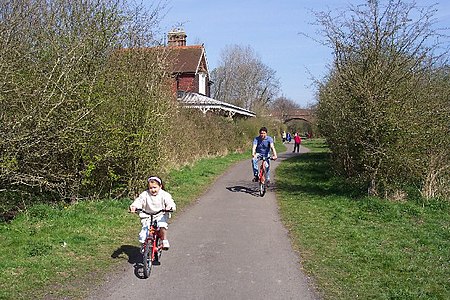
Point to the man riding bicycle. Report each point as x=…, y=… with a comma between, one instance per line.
x=262, y=146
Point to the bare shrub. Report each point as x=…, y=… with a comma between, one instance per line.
x=379, y=102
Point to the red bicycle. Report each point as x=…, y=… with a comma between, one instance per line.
x=262, y=173
x=152, y=246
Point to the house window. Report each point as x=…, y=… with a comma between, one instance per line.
x=180, y=94
x=202, y=83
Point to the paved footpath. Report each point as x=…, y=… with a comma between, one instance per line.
x=229, y=245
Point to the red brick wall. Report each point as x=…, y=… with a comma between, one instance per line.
x=188, y=83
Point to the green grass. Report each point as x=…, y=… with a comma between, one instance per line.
x=59, y=251
x=360, y=247
x=51, y=246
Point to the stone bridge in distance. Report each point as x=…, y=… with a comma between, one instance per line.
x=304, y=114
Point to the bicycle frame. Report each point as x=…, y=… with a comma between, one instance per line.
x=262, y=169
x=152, y=246
x=152, y=237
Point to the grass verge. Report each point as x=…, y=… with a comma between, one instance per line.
x=61, y=251
x=361, y=247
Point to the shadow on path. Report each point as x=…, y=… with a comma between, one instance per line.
x=134, y=258
x=243, y=189
x=254, y=191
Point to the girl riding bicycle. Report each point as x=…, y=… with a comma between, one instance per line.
x=152, y=200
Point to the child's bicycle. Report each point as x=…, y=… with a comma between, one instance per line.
x=262, y=172
x=152, y=247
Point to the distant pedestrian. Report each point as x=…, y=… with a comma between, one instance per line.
x=297, y=142
x=283, y=136
x=288, y=137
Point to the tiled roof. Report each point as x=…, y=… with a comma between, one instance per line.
x=186, y=59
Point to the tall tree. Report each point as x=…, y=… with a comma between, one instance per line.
x=243, y=79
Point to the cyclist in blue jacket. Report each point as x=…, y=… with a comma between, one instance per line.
x=263, y=145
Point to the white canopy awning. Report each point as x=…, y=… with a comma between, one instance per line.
x=205, y=104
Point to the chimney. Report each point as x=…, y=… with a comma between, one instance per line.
x=177, y=37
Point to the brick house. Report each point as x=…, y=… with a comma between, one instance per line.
x=192, y=85
x=190, y=67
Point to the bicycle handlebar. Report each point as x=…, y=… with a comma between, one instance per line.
x=154, y=213
x=265, y=158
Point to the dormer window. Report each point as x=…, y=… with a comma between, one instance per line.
x=202, y=83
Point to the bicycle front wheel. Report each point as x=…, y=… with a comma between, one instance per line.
x=262, y=183
x=262, y=189
x=147, y=259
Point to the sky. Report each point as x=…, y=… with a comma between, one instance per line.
x=272, y=29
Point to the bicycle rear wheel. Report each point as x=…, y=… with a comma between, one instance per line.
x=147, y=259
x=159, y=251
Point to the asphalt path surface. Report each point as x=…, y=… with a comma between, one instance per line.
x=231, y=244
